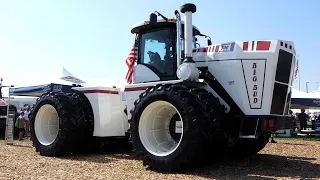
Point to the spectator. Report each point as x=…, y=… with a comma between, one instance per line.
x=303, y=117
x=291, y=122
x=20, y=124
x=26, y=116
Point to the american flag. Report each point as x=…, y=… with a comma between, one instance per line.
x=296, y=70
x=132, y=57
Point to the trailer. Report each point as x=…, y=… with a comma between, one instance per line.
x=184, y=104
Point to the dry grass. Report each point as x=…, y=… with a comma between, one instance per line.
x=288, y=159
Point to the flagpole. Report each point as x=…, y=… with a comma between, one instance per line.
x=297, y=64
x=299, y=81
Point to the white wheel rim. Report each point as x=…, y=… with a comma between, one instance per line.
x=154, y=128
x=46, y=124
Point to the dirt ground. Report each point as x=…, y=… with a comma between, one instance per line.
x=287, y=159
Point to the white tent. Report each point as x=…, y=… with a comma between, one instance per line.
x=67, y=76
x=300, y=99
x=300, y=94
x=61, y=77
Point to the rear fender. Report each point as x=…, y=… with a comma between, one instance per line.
x=209, y=89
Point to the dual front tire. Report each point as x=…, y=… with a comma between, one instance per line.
x=59, y=125
x=156, y=136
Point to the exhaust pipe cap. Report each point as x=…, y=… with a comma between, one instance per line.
x=188, y=7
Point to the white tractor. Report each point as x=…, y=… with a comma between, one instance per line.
x=184, y=105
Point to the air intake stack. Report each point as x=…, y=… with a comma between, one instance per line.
x=188, y=70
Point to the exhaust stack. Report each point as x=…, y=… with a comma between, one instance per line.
x=187, y=70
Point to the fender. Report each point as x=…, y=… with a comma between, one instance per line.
x=209, y=89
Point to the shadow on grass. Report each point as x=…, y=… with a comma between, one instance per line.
x=24, y=146
x=261, y=166
x=95, y=158
x=104, y=155
x=298, y=144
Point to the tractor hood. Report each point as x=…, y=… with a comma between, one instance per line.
x=257, y=74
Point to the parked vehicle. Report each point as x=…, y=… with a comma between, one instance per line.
x=185, y=104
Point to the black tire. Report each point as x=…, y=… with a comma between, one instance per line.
x=215, y=133
x=89, y=144
x=72, y=125
x=195, y=119
x=245, y=148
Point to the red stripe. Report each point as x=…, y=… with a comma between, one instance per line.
x=245, y=46
x=263, y=45
x=100, y=91
x=212, y=49
x=136, y=88
x=271, y=123
x=217, y=48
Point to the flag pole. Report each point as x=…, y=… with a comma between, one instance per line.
x=298, y=72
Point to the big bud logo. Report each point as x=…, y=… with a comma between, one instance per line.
x=255, y=85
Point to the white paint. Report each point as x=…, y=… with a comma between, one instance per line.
x=153, y=131
x=132, y=96
x=188, y=35
x=46, y=124
x=188, y=71
x=109, y=117
x=178, y=128
x=254, y=76
x=143, y=74
x=226, y=67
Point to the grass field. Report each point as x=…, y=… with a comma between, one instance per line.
x=290, y=158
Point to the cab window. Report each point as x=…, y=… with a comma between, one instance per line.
x=157, y=51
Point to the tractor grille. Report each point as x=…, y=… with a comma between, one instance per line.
x=279, y=98
x=288, y=103
x=284, y=66
x=280, y=102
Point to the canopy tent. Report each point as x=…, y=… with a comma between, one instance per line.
x=67, y=76
x=41, y=89
x=3, y=103
x=305, y=100
x=63, y=82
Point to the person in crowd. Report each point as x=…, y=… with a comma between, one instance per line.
x=291, y=121
x=21, y=125
x=303, y=117
x=272, y=138
x=26, y=116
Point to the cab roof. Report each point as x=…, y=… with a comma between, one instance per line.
x=145, y=26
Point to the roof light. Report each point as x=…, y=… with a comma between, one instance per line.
x=172, y=20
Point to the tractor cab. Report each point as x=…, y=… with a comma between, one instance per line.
x=157, y=56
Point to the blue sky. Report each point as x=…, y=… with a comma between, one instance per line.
x=92, y=38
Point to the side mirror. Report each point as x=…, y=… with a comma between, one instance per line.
x=209, y=42
x=153, y=18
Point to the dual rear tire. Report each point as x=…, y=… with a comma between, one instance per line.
x=60, y=124
x=171, y=127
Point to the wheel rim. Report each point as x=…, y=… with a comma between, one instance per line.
x=154, y=128
x=46, y=124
